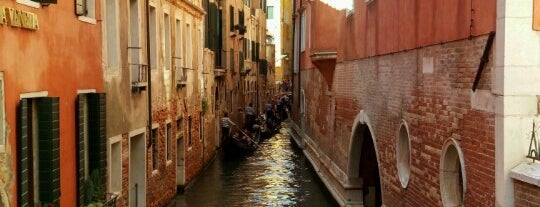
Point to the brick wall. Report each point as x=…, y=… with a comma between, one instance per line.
x=526, y=195
x=436, y=106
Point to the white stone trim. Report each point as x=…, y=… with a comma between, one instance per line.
x=447, y=144
x=3, y=121
x=527, y=172
x=137, y=132
x=403, y=180
x=29, y=3
x=114, y=140
x=363, y=119
x=83, y=91
x=88, y=20
x=34, y=94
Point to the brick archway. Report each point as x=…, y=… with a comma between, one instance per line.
x=363, y=171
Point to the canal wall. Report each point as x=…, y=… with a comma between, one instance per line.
x=425, y=92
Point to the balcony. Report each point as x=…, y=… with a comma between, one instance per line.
x=139, y=77
x=181, y=76
x=220, y=64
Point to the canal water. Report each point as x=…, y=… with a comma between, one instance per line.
x=277, y=174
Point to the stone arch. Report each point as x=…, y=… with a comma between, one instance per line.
x=363, y=160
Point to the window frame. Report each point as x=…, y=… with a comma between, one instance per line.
x=90, y=14
x=404, y=172
x=3, y=138
x=154, y=140
x=113, y=141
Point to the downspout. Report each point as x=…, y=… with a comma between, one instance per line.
x=299, y=53
x=149, y=70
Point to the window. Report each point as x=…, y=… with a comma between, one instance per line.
x=303, y=32
x=113, y=47
x=452, y=175
x=38, y=151
x=2, y=115
x=169, y=142
x=231, y=18
x=134, y=32
x=91, y=141
x=86, y=10
x=153, y=38
x=189, y=131
x=167, y=41
x=269, y=12
x=115, y=170
x=154, y=142
x=178, y=44
x=403, y=155
x=189, y=47
x=201, y=125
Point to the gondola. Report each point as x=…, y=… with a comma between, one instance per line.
x=241, y=143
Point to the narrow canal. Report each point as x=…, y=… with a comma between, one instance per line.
x=277, y=174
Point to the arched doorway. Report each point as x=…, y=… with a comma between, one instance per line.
x=363, y=170
x=369, y=172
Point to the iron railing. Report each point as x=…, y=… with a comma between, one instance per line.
x=139, y=74
x=533, y=153
x=181, y=75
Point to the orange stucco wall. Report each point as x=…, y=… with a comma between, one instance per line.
x=61, y=57
x=387, y=26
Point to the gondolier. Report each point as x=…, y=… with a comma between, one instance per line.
x=225, y=126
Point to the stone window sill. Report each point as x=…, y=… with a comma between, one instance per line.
x=29, y=3
x=88, y=20
x=527, y=172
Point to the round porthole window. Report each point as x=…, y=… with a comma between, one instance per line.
x=403, y=155
x=452, y=175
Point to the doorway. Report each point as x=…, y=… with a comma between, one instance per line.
x=137, y=171
x=180, y=162
x=363, y=166
x=369, y=172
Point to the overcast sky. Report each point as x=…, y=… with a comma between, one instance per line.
x=340, y=4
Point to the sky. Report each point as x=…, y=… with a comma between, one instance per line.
x=340, y=4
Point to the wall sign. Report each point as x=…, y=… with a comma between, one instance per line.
x=18, y=18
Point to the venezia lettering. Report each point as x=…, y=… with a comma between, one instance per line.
x=17, y=18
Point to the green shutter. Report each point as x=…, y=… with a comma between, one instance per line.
x=46, y=1
x=49, y=149
x=232, y=60
x=241, y=63
x=79, y=146
x=22, y=153
x=97, y=153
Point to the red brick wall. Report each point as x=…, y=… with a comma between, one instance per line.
x=526, y=195
x=436, y=106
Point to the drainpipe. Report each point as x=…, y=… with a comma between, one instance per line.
x=149, y=70
x=299, y=53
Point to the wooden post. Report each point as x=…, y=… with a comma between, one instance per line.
x=536, y=15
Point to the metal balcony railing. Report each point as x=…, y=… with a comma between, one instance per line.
x=181, y=76
x=139, y=75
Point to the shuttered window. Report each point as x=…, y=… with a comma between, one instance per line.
x=232, y=60
x=91, y=140
x=38, y=151
x=231, y=18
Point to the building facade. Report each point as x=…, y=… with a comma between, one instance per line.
x=418, y=103
x=52, y=105
x=237, y=38
x=287, y=41
x=155, y=74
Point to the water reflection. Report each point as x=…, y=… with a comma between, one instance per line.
x=276, y=175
